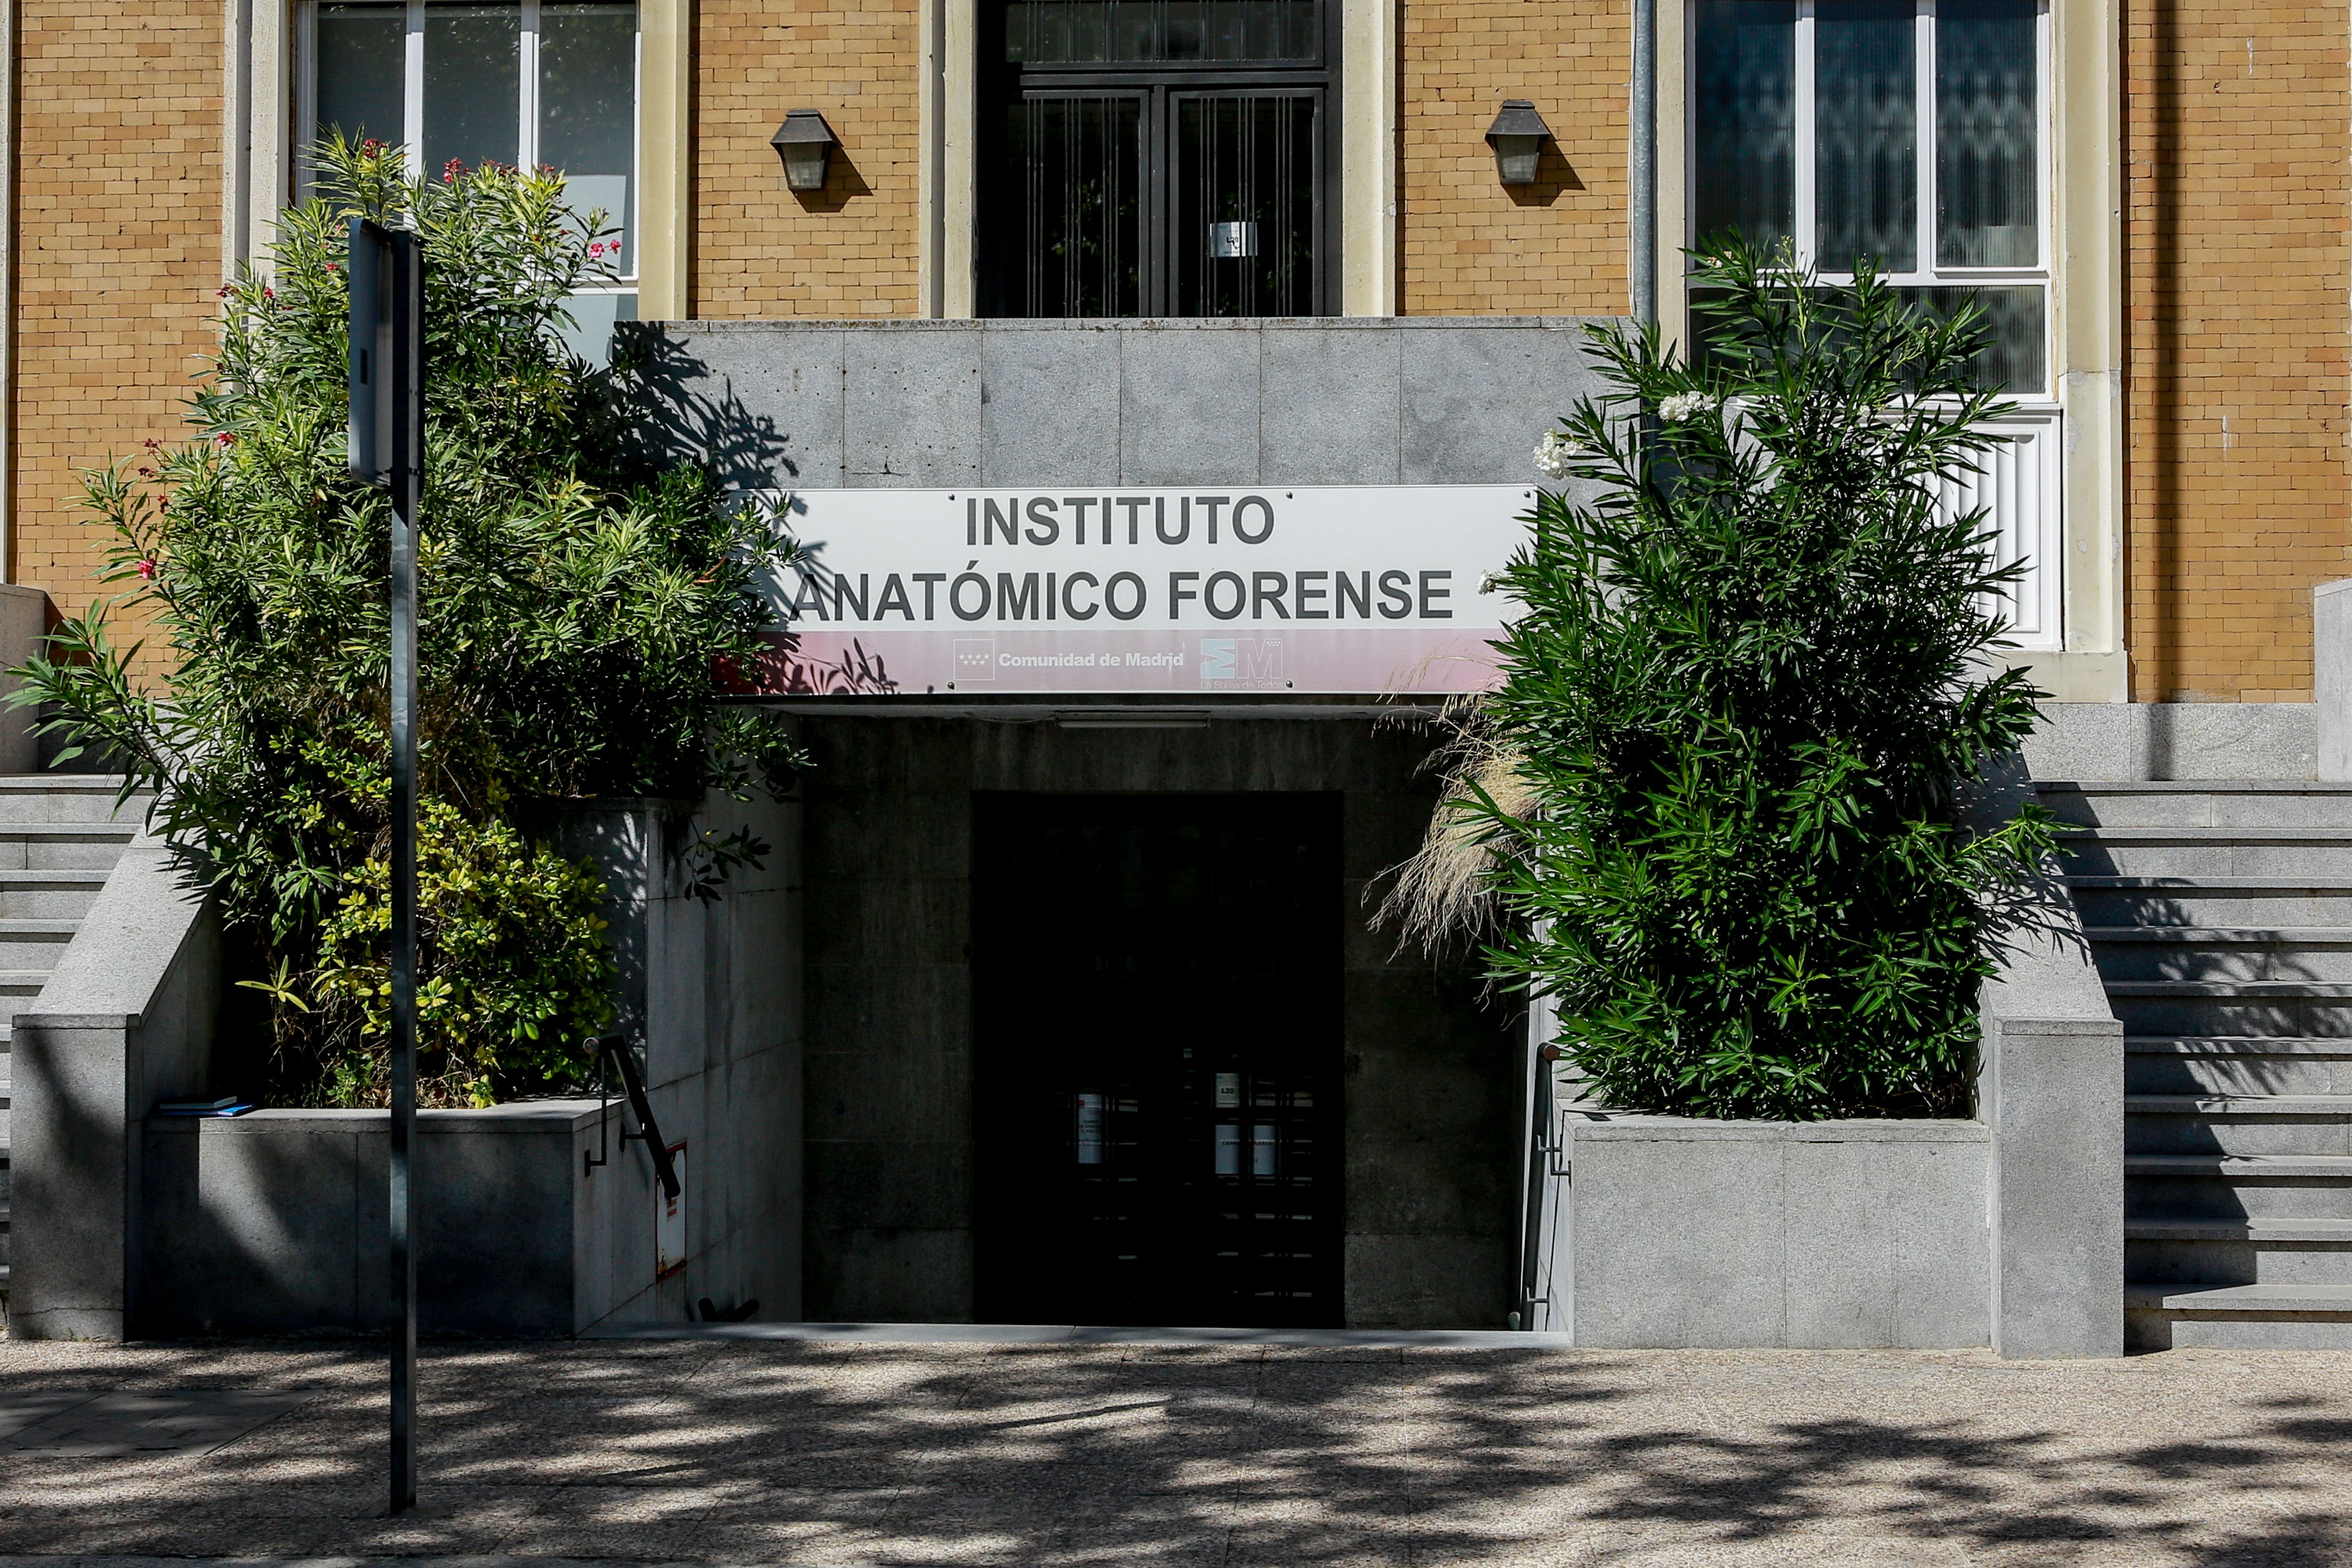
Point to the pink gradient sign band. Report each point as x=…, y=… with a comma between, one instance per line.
x=1193, y=590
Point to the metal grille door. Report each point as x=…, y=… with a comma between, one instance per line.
x=1157, y=158
x=1156, y=1101
x=1084, y=184
x=1247, y=204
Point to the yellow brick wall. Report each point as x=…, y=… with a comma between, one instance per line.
x=1466, y=244
x=760, y=250
x=2236, y=144
x=119, y=255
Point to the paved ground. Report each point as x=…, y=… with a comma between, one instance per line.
x=828, y=1454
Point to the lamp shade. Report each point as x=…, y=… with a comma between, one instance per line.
x=805, y=142
x=1517, y=137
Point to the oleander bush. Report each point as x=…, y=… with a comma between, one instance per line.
x=1715, y=808
x=579, y=603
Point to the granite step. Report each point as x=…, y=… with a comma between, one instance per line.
x=2197, y=853
x=2172, y=1227
x=2238, y=1124
x=2210, y=1185
x=2236, y=1066
x=25, y=944
x=2205, y=803
x=62, y=846
x=70, y=797
x=2246, y=1008
x=56, y=894
x=2251, y=1168
x=2213, y=901
x=2153, y=952
x=2238, y=1317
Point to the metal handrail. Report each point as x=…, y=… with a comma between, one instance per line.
x=616, y=1048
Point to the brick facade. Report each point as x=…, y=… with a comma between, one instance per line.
x=119, y=255
x=2239, y=255
x=848, y=251
x=2238, y=237
x=1467, y=245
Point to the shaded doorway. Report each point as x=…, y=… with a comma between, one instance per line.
x=1157, y=1032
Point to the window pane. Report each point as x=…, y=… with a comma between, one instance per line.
x=2014, y=359
x=473, y=84
x=1743, y=107
x=588, y=109
x=1987, y=152
x=1865, y=130
x=1073, y=32
x=593, y=316
x=360, y=60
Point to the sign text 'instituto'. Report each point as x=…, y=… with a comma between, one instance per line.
x=1331, y=588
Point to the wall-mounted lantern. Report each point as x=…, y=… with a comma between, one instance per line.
x=1517, y=137
x=805, y=142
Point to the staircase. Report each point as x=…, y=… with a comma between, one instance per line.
x=60, y=837
x=2219, y=915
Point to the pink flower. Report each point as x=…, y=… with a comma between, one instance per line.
x=371, y=145
x=267, y=292
x=332, y=267
x=223, y=292
x=226, y=438
x=146, y=473
x=147, y=572
x=452, y=169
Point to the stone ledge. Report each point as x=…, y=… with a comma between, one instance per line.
x=1610, y=1128
x=533, y=1116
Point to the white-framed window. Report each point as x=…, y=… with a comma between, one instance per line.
x=529, y=82
x=1913, y=131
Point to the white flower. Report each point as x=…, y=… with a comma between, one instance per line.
x=1491, y=581
x=1555, y=452
x=1687, y=405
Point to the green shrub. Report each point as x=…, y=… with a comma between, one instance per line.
x=576, y=604
x=517, y=967
x=1736, y=717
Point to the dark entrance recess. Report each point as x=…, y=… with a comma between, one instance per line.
x=1157, y=157
x=1155, y=985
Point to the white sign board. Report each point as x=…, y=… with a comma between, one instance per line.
x=1198, y=590
x=669, y=1219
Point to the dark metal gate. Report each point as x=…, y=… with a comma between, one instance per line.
x=1156, y=1095
x=1157, y=157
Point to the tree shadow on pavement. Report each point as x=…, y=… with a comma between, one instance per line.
x=825, y=1454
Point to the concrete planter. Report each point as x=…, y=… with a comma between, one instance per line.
x=1814, y=1236
x=2004, y=1230
x=274, y=1223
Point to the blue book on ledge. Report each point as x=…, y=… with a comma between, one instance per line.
x=226, y=1105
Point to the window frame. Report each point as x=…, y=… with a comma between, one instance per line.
x=412, y=99
x=1925, y=273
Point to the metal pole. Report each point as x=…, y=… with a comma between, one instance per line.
x=1641, y=168
x=386, y=270
x=407, y=485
